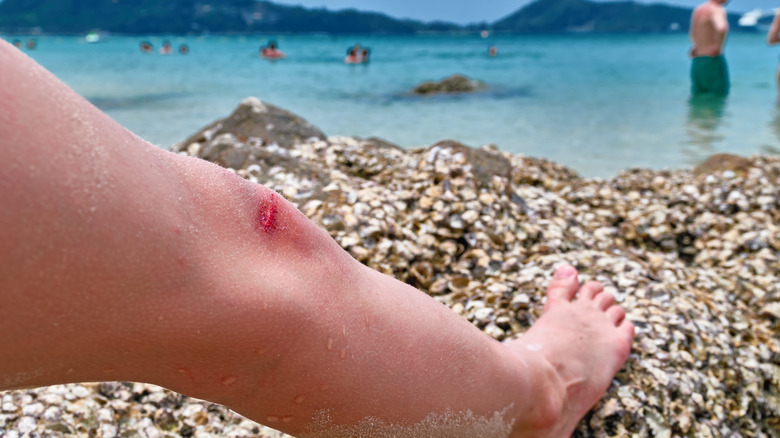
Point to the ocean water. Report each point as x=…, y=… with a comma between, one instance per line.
x=597, y=103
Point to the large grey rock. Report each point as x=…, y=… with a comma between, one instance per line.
x=253, y=121
x=723, y=162
x=261, y=134
x=227, y=151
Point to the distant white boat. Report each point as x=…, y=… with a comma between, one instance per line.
x=750, y=18
x=94, y=37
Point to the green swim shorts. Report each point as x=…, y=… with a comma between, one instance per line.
x=709, y=74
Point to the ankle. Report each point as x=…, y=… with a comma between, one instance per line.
x=542, y=414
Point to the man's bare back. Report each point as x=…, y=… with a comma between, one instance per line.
x=709, y=26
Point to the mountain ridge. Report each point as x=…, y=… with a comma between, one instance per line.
x=138, y=17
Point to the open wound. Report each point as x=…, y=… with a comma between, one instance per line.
x=267, y=213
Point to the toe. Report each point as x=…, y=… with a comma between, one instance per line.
x=627, y=329
x=604, y=300
x=564, y=284
x=589, y=290
x=616, y=314
x=624, y=341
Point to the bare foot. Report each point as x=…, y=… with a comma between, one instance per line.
x=585, y=338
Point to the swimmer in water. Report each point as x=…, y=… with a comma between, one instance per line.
x=356, y=55
x=271, y=51
x=138, y=264
x=166, y=48
x=352, y=57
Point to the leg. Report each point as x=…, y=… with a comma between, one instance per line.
x=120, y=261
x=777, y=78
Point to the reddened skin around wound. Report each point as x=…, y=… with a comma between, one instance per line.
x=267, y=213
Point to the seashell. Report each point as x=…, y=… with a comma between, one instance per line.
x=333, y=222
x=359, y=253
x=458, y=282
x=471, y=239
x=771, y=310
x=194, y=149
x=439, y=286
x=449, y=247
x=456, y=222
x=483, y=315
x=493, y=267
x=494, y=331
x=520, y=301
x=469, y=217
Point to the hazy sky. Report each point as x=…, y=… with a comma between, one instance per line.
x=471, y=11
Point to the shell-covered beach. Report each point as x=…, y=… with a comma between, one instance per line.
x=692, y=255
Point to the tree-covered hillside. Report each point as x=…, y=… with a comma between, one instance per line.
x=588, y=16
x=251, y=16
x=194, y=16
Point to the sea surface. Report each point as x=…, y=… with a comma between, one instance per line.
x=597, y=103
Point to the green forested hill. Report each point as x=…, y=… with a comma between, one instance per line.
x=194, y=16
x=588, y=16
x=251, y=16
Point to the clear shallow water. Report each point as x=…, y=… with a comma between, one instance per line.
x=597, y=103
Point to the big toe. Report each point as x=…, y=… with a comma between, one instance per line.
x=564, y=284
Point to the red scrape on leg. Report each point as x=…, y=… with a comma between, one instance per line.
x=267, y=212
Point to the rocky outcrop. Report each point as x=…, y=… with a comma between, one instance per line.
x=259, y=122
x=252, y=133
x=723, y=163
x=454, y=84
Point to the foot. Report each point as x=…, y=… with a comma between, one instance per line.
x=585, y=339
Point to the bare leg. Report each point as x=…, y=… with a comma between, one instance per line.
x=120, y=261
x=777, y=78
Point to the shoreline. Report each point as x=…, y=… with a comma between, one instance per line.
x=692, y=256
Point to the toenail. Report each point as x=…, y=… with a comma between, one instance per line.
x=565, y=271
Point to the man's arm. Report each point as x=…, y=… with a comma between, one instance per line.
x=720, y=21
x=773, y=37
x=721, y=25
x=692, y=35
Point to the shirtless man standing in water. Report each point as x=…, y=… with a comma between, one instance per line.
x=709, y=26
x=120, y=261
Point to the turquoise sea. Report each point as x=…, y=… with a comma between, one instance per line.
x=598, y=103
